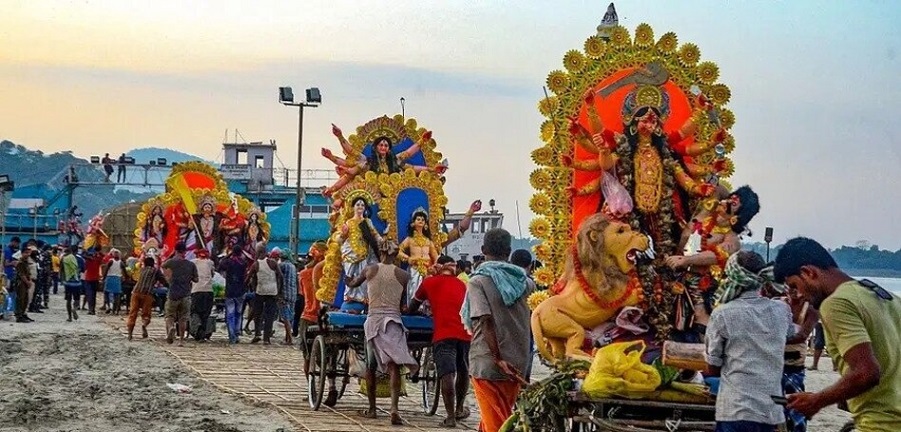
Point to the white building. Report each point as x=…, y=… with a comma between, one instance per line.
x=471, y=243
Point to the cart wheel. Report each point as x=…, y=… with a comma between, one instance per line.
x=316, y=374
x=431, y=385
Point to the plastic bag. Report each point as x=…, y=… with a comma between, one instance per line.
x=617, y=370
x=616, y=197
x=356, y=363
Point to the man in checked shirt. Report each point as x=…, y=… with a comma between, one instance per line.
x=746, y=339
x=142, y=296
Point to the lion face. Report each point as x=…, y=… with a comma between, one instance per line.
x=622, y=245
x=604, y=244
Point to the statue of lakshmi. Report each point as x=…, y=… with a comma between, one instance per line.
x=418, y=250
x=382, y=160
x=359, y=248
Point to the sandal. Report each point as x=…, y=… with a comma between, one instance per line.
x=367, y=413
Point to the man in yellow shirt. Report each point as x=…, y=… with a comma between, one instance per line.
x=55, y=259
x=862, y=322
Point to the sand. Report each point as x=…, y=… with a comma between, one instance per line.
x=83, y=376
x=831, y=418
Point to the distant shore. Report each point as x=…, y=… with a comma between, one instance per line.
x=886, y=273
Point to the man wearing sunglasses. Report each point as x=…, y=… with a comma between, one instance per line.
x=862, y=322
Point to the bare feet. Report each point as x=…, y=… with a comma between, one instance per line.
x=462, y=413
x=332, y=398
x=368, y=413
x=396, y=419
x=448, y=423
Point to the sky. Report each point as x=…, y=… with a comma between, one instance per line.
x=814, y=88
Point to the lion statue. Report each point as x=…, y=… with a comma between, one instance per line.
x=606, y=252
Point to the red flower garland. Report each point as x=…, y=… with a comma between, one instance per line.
x=634, y=284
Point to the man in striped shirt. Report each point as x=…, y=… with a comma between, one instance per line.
x=142, y=296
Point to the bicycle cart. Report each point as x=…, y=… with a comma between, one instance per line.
x=327, y=347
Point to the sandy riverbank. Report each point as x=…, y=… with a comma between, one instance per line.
x=831, y=418
x=83, y=376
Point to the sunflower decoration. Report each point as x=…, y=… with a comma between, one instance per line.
x=644, y=35
x=720, y=94
x=548, y=129
x=619, y=37
x=544, y=277
x=708, y=72
x=540, y=204
x=543, y=252
x=548, y=105
x=540, y=179
x=668, y=43
x=540, y=227
x=536, y=298
x=574, y=61
x=558, y=81
x=689, y=54
x=729, y=143
x=595, y=47
x=543, y=156
x=727, y=119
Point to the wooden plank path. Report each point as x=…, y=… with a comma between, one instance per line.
x=273, y=375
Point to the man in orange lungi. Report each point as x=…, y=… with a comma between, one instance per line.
x=496, y=313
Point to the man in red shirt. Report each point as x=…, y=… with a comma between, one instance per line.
x=450, y=341
x=93, y=261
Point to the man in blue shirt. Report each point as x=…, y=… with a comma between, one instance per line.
x=9, y=268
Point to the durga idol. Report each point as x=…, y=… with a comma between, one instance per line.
x=650, y=163
x=383, y=160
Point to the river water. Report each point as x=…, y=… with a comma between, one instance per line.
x=891, y=284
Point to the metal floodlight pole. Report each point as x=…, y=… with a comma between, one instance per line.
x=296, y=246
x=313, y=99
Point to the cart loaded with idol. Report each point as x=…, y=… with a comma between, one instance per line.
x=636, y=221
x=390, y=192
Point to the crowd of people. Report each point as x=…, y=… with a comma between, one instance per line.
x=481, y=338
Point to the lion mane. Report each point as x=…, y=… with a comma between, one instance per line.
x=598, y=269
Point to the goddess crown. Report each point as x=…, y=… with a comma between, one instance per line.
x=419, y=209
x=645, y=96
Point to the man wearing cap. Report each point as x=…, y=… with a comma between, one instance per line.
x=33, y=269
x=181, y=274
x=202, y=296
